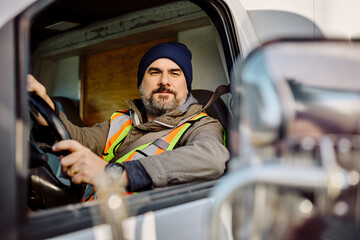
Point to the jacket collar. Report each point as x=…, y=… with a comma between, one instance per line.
x=189, y=101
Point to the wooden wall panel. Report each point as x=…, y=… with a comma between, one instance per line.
x=109, y=79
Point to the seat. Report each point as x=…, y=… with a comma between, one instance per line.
x=68, y=106
x=217, y=110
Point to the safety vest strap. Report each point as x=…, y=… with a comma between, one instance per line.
x=160, y=145
x=120, y=125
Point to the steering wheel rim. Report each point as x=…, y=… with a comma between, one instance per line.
x=50, y=116
x=46, y=190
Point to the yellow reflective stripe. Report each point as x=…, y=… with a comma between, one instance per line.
x=184, y=127
x=172, y=138
x=126, y=156
x=112, y=138
x=199, y=116
x=120, y=112
x=110, y=152
x=113, y=142
x=177, y=137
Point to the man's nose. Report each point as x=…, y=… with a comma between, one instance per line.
x=164, y=79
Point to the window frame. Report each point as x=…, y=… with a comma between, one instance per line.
x=62, y=220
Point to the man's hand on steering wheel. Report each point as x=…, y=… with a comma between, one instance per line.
x=34, y=86
x=81, y=165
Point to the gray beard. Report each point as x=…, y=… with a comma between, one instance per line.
x=159, y=108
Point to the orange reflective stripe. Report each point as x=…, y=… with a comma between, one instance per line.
x=115, y=116
x=173, y=133
x=160, y=150
x=198, y=116
x=169, y=138
x=91, y=198
x=130, y=157
x=116, y=135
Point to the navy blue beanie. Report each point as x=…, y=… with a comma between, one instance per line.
x=174, y=51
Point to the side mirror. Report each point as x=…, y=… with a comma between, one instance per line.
x=298, y=124
x=296, y=90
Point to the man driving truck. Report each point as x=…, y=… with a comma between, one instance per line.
x=136, y=142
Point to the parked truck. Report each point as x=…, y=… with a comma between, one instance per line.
x=291, y=117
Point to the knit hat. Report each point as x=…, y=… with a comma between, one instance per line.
x=174, y=51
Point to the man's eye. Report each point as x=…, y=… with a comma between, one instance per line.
x=176, y=73
x=154, y=72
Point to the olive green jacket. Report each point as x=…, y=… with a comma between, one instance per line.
x=200, y=155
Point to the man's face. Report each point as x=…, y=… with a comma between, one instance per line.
x=163, y=88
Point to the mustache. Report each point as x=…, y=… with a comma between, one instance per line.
x=163, y=88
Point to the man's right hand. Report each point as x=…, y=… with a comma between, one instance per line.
x=35, y=86
x=82, y=165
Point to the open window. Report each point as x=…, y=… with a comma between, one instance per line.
x=86, y=54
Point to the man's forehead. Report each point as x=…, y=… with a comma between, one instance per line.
x=164, y=63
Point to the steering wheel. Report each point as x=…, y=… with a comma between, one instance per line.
x=45, y=189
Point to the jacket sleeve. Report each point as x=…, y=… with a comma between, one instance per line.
x=92, y=137
x=202, y=157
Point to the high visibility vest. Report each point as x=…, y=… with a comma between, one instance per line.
x=120, y=125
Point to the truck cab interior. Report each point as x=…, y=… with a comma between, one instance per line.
x=86, y=55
